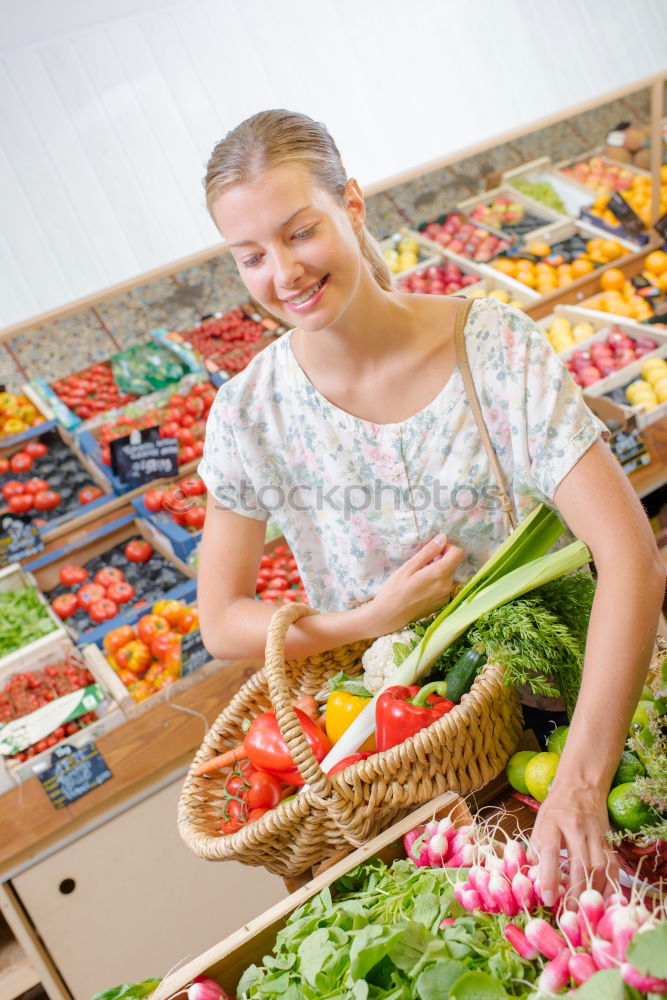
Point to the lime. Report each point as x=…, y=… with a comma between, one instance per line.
x=629, y=768
x=641, y=716
x=516, y=769
x=556, y=741
x=540, y=773
x=626, y=809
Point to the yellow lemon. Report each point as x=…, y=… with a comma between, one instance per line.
x=539, y=774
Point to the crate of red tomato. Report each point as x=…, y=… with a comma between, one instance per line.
x=278, y=579
x=92, y=583
x=175, y=512
x=81, y=706
x=229, y=342
x=179, y=413
x=48, y=480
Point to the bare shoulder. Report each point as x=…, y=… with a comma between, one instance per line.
x=435, y=316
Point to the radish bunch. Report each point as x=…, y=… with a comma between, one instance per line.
x=591, y=933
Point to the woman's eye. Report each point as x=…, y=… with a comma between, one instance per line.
x=305, y=233
x=250, y=262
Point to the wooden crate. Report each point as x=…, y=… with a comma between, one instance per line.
x=572, y=193
x=227, y=961
x=15, y=578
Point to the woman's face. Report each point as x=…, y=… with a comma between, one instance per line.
x=295, y=245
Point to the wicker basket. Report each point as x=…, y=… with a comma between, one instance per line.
x=461, y=752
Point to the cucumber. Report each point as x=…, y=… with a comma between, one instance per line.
x=460, y=677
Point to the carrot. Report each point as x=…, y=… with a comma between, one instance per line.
x=226, y=759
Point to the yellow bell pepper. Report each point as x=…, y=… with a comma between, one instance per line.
x=342, y=709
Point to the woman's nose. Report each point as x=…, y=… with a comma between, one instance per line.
x=287, y=269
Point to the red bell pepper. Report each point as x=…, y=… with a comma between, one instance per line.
x=353, y=758
x=401, y=712
x=267, y=750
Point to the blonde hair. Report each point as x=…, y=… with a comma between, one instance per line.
x=273, y=138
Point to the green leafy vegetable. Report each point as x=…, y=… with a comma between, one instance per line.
x=129, y=991
x=606, y=985
x=23, y=619
x=648, y=952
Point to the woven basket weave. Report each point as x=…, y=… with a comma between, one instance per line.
x=461, y=752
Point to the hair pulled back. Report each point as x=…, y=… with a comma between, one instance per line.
x=277, y=137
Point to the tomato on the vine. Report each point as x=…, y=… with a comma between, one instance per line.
x=103, y=610
x=65, y=605
x=256, y=814
x=120, y=591
x=108, y=575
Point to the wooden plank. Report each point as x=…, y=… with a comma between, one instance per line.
x=24, y=933
x=17, y=974
x=657, y=145
x=138, y=752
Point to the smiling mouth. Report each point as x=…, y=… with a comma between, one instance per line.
x=308, y=294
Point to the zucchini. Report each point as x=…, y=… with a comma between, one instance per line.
x=461, y=676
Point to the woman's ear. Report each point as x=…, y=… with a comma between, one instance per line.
x=355, y=206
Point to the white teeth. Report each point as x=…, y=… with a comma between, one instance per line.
x=307, y=295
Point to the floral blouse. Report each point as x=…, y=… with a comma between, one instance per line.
x=355, y=499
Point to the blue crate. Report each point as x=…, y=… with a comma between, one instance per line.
x=185, y=591
x=182, y=541
x=65, y=417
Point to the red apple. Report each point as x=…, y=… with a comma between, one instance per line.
x=588, y=376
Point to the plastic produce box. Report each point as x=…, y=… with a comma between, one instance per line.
x=607, y=397
x=162, y=576
x=15, y=578
x=405, y=246
x=66, y=471
x=574, y=195
x=531, y=216
x=227, y=961
x=58, y=649
x=151, y=410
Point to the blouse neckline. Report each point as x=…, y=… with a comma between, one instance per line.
x=435, y=404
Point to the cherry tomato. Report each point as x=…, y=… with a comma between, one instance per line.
x=89, y=594
x=12, y=488
x=194, y=486
x=186, y=454
x=236, y=809
x=71, y=575
x=20, y=504
x=65, y=605
x=138, y=551
x=108, y=575
x=232, y=825
x=163, y=642
x=36, y=449
x=47, y=499
x=90, y=493
x=153, y=499
x=170, y=429
x=278, y=582
x=149, y=626
x=256, y=814
x=21, y=462
x=184, y=435
x=35, y=486
x=198, y=448
x=176, y=400
x=4, y=466
x=195, y=517
x=265, y=791
x=194, y=405
x=120, y=592
x=103, y=610
x=198, y=429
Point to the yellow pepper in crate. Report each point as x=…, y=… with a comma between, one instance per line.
x=342, y=710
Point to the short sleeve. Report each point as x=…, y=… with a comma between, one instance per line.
x=222, y=466
x=550, y=422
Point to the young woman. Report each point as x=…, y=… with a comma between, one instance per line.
x=353, y=432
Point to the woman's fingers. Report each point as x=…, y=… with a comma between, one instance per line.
x=427, y=553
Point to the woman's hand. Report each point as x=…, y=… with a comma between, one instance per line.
x=576, y=819
x=418, y=588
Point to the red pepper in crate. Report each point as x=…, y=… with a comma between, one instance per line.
x=401, y=712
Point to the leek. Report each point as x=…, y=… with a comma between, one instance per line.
x=517, y=567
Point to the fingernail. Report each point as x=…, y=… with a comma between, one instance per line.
x=440, y=539
x=548, y=897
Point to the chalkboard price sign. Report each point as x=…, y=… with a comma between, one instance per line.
x=143, y=456
x=625, y=214
x=19, y=538
x=193, y=653
x=73, y=772
x=661, y=226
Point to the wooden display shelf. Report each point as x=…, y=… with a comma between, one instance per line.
x=17, y=974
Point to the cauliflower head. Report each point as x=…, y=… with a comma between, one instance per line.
x=378, y=660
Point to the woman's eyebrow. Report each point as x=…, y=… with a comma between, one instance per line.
x=245, y=243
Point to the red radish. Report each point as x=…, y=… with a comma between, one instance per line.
x=522, y=890
x=500, y=889
x=462, y=836
x=514, y=858
x=545, y=938
x=482, y=884
x=556, y=975
x=569, y=925
x=462, y=858
x=446, y=922
x=519, y=942
x=410, y=839
x=603, y=953
x=648, y=984
x=591, y=910
x=446, y=827
x=204, y=988
x=606, y=923
x=623, y=928
x=468, y=897
x=581, y=967
x=493, y=863
x=438, y=849
x=431, y=828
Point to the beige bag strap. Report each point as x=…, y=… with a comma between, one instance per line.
x=507, y=506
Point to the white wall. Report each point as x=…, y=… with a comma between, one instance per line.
x=109, y=108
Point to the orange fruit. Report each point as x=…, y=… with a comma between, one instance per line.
x=580, y=267
x=506, y=266
x=656, y=262
x=612, y=280
x=540, y=249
